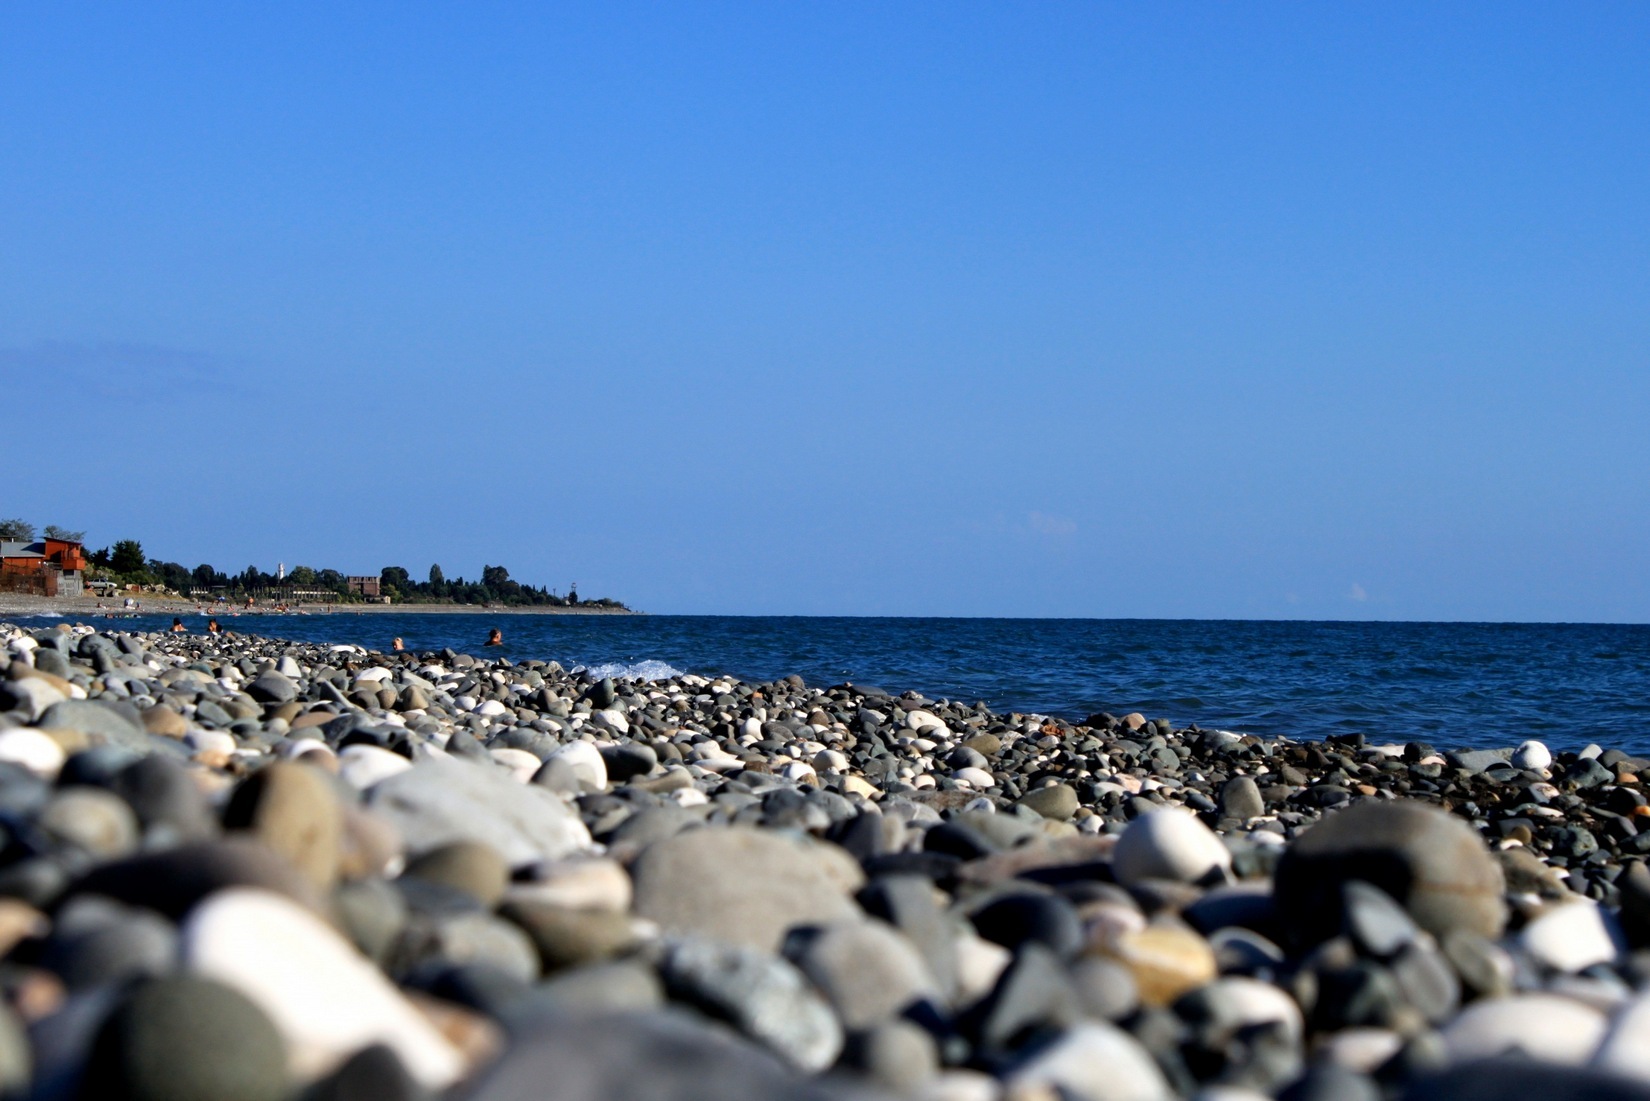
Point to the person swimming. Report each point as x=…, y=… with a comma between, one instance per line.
x=397, y=645
x=177, y=626
x=495, y=637
x=212, y=627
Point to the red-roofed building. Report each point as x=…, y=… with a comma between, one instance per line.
x=51, y=567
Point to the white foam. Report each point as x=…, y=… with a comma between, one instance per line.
x=649, y=670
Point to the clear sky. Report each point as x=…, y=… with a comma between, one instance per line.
x=1206, y=310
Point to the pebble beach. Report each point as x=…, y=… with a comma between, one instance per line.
x=246, y=868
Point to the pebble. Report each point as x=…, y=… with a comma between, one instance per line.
x=1168, y=844
x=439, y=801
x=742, y=885
x=366, y=766
x=326, y=999
x=1532, y=755
x=474, y=868
x=482, y=858
x=1166, y=961
x=1538, y=1026
x=1092, y=1061
x=867, y=970
x=184, y=1038
x=765, y=997
x=1571, y=937
x=97, y=822
x=290, y=807
x=31, y=749
x=1431, y=863
x=588, y=764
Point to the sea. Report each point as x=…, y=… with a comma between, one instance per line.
x=1473, y=685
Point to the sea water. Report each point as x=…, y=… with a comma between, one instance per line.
x=1451, y=684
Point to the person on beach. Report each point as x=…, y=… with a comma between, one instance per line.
x=495, y=637
x=177, y=626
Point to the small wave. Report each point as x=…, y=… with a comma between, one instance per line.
x=638, y=670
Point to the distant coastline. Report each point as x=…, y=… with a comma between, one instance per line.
x=19, y=604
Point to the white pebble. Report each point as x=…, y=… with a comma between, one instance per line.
x=1572, y=936
x=1532, y=755
x=327, y=1001
x=1093, y=1062
x=587, y=763
x=210, y=741
x=33, y=750
x=362, y=766
x=1539, y=1026
x=1168, y=844
x=522, y=764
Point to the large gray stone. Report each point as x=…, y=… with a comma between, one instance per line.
x=439, y=801
x=115, y=723
x=272, y=687
x=1433, y=864
x=767, y=998
x=657, y=1056
x=743, y=886
x=186, y=1039
x=868, y=970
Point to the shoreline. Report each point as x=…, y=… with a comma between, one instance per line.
x=877, y=896
x=15, y=604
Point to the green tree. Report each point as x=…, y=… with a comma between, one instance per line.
x=205, y=576
x=332, y=579
x=173, y=575
x=303, y=576
x=127, y=557
x=20, y=530
x=54, y=532
x=437, y=578
x=397, y=578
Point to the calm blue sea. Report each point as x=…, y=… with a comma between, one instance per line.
x=1453, y=684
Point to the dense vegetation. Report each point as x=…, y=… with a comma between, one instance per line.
x=125, y=563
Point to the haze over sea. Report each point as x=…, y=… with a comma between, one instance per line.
x=1451, y=684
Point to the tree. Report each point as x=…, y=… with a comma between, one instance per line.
x=205, y=576
x=303, y=576
x=20, y=530
x=99, y=558
x=173, y=575
x=54, y=532
x=494, y=577
x=332, y=579
x=395, y=577
x=127, y=557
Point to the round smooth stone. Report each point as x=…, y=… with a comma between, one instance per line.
x=1572, y=937
x=1538, y=1026
x=1532, y=755
x=1168, y=844
x=32, y=749
x=365, y=766
x=324, y=997
x=186, y=1039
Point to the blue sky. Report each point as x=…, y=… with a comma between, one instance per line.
x=1268, y=310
